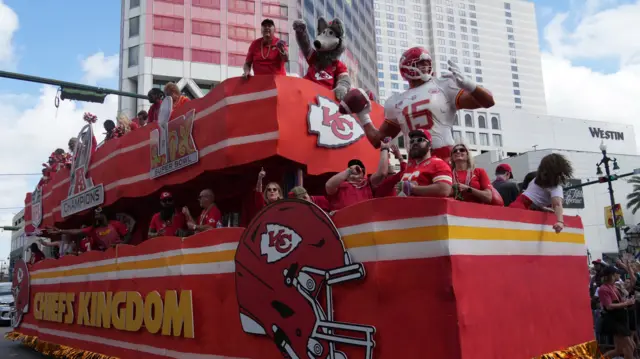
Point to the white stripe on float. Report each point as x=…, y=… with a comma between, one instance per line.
x=386, y=252
x=168, y=271
x=143, y=257
x=123, y=345
x=447, y=219
x=458, y=247
x=226, y=101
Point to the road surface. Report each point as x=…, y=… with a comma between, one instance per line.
x=10, y=349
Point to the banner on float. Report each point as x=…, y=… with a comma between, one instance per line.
x=172, y=143
x=83, y=194
x=36, y=207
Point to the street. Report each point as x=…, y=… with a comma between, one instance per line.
x=10, y=349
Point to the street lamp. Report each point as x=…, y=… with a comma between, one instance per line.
x=609, y=178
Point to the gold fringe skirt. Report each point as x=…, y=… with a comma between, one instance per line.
x=588, y=350
x=54, y=350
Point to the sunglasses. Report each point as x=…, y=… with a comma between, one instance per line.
x=272, y=189
x=417, y=140
x=459, y=150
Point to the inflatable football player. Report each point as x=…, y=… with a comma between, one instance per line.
x=430, y=103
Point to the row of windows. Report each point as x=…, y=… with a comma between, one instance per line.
x=482, y=121
x=470, y=138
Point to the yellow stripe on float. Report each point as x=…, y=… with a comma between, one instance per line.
x=441, y=233
x=196, y=258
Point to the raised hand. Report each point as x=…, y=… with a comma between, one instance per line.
x=299, y=26
x=262, y=173
x=462, y=81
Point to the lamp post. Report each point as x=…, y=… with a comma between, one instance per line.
x=605, y=161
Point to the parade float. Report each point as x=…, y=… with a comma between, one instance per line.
x=387, y=278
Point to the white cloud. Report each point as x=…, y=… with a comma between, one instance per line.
x=8, y=27
x=32, y=128
x=581, y=92
x=98, y=67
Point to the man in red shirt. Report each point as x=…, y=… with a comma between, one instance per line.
x=348, y=187
x=426, y=175
x=268, y=54
x=210, y=217
x=103, y=234
x=169, y=221
x=155, y=97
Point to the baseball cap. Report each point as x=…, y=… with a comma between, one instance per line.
x=357, y=162
x=297, y=191
x=504, y=167
x=267, y=22
x=420, y=133
x=165, y=195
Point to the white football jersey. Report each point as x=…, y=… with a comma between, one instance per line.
x=430, y=106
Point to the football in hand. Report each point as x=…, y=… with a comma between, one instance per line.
x=355, y=101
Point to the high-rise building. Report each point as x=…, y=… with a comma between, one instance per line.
x=495, y=42
x=199, y=43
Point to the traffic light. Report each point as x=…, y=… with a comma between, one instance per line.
x=70, y=93
x=604, y=179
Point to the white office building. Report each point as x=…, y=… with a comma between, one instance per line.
x=493, y=41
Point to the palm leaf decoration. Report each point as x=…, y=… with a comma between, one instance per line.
x=634, y=196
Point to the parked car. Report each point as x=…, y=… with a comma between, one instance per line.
x=6, y=303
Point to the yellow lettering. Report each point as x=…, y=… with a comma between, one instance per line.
x=62, y=298
x=83, y=308
x=94, y=308
x=178, y=315
x=135, y=313
x=37, y=305
x=117, y=313
x=103, y=315
x=153, y=312
x=53, y=306
x=46, y=310
x=68, y=318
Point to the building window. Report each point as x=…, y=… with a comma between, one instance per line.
x=134, y=54
x=514, y=60
x=509, y=22
x=473, y=23
x=507, y=6
x=471, y=137
x=452, y=43
x=507, y=14
x=478, y=63
x=205, y=56
x=468, y=120
x=281, y=11
x=518, y=100
x=478, y=71
x=457, y=136
x=381, y=84
x=478, y=78
x=514, y=68
x=509, y=29
x=394, y=77
x=467, y=69
x=484, y=139
x=242, y=6
x=169, y=52
x=495, y=123
x=514, y=76
x=390, y=17
x=240, y=33
x=516, y=84
x=453, y=51
x=380, y=66
x=497, y=140
x=516, y=92
x=452, y=27
x=456, y=120
x=511, y=38
x=205, y=28
x=463, y=21
x=134, y=4
x=134, y=26
x=482, y=121
x=443, y=66
x=440, y=25
x=462, y=28
x=167, y=23
x=395, y=86
x=380, y=75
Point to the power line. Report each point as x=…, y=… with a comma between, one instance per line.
x=20, y=174
x=10, y=208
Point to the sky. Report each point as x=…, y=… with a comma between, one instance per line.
x=590, y=59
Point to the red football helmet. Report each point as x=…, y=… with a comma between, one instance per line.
x=287, y=259
x=411, y=67
x=20, y=289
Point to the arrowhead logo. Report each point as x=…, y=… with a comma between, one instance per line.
x=278, y=242
x=334, y=130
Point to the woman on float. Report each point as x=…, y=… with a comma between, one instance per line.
x=614, y=319
x=66, y=245
x=272, y=192
x=36, y=254
x=172, y=90
x=546, y=189
x=125, y=124
x=470, y=184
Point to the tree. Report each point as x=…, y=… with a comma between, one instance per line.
x=634, y=196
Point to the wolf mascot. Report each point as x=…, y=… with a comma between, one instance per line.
x=324, y=66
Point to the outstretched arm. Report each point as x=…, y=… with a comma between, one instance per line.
x=375, y=135
x=480, y=98
x=302, y=37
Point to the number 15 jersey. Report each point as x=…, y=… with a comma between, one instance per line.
x=431, y=106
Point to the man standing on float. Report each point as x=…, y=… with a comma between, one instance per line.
x=430, y=103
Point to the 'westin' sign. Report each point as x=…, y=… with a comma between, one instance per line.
x=606, y=135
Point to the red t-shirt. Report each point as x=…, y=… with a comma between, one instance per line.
x=168, y=228
x=429, y=171
x=326, y=77
x=322, y=202
x=387, y=188
x=153, y=112
x=608, y=294
x=85, y=245
x=102, y=238
x=271, y=64
x=479, y=180
x=134, y=126
x=348, y=195
x=210, y=217
x=35, y=258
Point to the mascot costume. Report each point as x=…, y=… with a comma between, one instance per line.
x=324, y=66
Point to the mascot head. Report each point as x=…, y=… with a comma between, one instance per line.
x=330, y=36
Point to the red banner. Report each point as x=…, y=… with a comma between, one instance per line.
x=440, y=278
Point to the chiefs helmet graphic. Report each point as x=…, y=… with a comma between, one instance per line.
x=287, y=261
x=20, y=291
